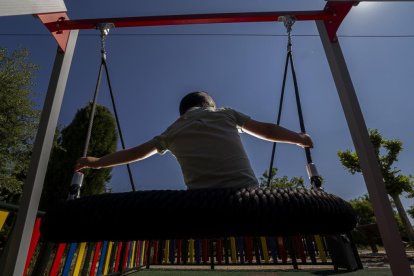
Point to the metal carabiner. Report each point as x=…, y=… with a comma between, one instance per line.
x=104, y=28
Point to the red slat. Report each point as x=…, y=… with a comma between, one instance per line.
x=33, y=243
x=301, y=249
x=249, y=249
x=118, y=256
x=281, y=249
x=57, y=260
x=126, y=253
x=95, y=258
x=219, y=252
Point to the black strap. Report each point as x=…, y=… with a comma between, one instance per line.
x=289, y=60
x=279, y=115
x=92, y=115
x=121, y=137
x=299, y=106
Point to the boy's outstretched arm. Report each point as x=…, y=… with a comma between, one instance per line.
x=275, y=133
x=117, y=158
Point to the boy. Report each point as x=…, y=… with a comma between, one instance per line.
x=206, y=142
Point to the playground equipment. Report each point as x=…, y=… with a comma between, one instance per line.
x=111, y=256
x=328, y=21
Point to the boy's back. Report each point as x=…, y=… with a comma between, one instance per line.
x=207, y=145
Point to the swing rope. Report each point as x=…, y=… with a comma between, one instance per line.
x=104, y=32
x=315, y=179
x=74, y=191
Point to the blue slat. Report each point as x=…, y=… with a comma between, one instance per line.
x=240, y=246
x=172, y=251
x=69, y=258
x=197, y=245
x=273, y=248
x=102, y=258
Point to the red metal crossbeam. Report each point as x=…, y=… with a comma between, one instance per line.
x=189, y=19
x=332, y=15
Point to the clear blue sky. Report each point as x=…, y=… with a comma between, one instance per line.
x=240, y=65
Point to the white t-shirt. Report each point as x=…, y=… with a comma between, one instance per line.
x=207, y=145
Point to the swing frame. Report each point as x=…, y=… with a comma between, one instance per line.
x=65, y=32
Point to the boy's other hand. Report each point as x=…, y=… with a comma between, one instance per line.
x=306, y=141
x=86, y=162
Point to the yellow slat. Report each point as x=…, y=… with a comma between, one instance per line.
x=3, y=217
x=191, y=250
x=233, y=250
x=264, y=249
x=167, y=251
x=131, y=262
x=108, y=257
x=321, y=250
x=142, y=253
x=79, y=259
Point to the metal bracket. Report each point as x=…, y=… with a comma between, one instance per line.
x=75, y=186
x=288, y=21
x=314, y=176
x=104, y=28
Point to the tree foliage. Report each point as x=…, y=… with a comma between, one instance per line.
x=396, y=184
x=411, y=212
x=68, y=148
x=363, y=209
x=18, y=121
x=366, y=218
x=387, y=152
x=281, y=182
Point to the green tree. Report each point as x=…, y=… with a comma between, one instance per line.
x=396, y=184
x=18, y=121
x=281, y=182
x=411, y=211
x=366, y=231
x=68, y=147
x=366, y=222
x=364, y=210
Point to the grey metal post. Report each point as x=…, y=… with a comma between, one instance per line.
x=366, y=154
x=20, y=238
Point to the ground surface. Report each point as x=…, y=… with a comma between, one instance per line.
x=374, y=264
x=380, y=260
x=276, y=272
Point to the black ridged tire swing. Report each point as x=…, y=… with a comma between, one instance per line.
x=204, y=213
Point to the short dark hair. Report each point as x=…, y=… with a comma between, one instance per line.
x=197, y=98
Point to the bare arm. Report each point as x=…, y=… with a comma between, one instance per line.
x=117, y=158
x=275, y=133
